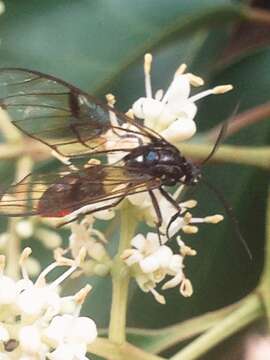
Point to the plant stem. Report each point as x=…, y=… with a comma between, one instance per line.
x=120, y=278
x=105, y=348
x=264, y=287
x=249, y=310
x=245, y=155
x=162, y=339
x=240, y=121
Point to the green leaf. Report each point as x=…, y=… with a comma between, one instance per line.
x=91, y=42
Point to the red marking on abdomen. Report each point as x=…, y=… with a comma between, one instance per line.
x=43, y=212
x=60, y=213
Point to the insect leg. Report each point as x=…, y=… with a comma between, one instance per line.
x=158, y=213
x=171, y=200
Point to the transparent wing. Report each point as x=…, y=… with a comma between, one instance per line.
x=61, y=193
x=70, y=121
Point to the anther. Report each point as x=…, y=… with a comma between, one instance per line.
x=214, y=219
x=81, y=295
x=147, y=63
x=188, y=229
x=195, y=80
x=181, y=70
x=24, y=255
x=221, y=89
x=186, y=288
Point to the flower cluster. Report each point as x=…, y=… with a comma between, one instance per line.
x=36, y=322
x=151, y=260
x=172, y=114
x=83, y=234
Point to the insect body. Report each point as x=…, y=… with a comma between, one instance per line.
x=76, y=125
x=165, y=162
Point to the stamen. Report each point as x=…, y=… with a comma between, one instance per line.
x=159, y=298
x=222, y=89
x=214, y=219
x=45, y=272
x=81, y=295
x=24, y=256
x=147, y=74
x=187, y=251
x=195, y=80
x=181, y=70
x=190, y=204
x=64, y=276
x=215, y=91
x=60, y=259
x=188, y=229
x=178, y=192
x=186, y=288
x=187, y=217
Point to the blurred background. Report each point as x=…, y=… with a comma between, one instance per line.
x=99, y=45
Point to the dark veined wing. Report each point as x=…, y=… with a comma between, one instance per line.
x=70, y=121
x=60, y=194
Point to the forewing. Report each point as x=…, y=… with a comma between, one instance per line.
x=60, y=194
x=70, y=121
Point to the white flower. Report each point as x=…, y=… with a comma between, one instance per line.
x=69, y=352
x=71, y=335
x=152, y=262
x=172, y=114
x=85, y=235
x=36, y=309
x=71, y=329
x=30, y=339
x=36, y=300
x=8, y=290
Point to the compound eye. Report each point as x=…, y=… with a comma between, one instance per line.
x=152, y=156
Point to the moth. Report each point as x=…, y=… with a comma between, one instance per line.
x=76, y=125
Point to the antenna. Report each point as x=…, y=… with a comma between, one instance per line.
x=230, y=214
x=221, y=134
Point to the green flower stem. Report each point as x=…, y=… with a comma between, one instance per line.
x=159, y=340
x=120, y=278
x=245, y=155
x=248, y=311
x=105, y=348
